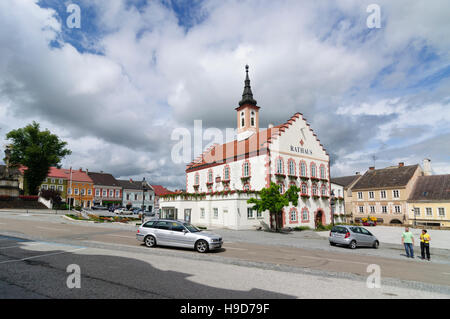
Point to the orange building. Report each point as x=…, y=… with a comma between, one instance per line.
x=80, y=188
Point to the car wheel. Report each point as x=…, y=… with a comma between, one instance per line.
x=352, y=244
x=150, y=241
x=201, y=246
x=376, y=244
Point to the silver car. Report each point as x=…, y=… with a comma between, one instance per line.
x=166, y=232
x=352, y=236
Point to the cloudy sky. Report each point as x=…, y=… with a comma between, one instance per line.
x=117, y=87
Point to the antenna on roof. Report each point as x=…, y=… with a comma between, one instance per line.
x=374, y=158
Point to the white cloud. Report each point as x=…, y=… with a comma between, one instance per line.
x=117, y=110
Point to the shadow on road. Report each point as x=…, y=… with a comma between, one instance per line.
x=34, y=273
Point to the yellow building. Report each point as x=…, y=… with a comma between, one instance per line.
x=429, y=203
x=383, y=193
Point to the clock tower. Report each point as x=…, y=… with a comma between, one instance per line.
x=247, y=112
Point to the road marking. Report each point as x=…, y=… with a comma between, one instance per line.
x=45, y=255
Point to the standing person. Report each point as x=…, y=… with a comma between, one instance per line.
x=425, y=244
x=408, y=242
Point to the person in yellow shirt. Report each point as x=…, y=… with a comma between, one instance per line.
x=425, y=244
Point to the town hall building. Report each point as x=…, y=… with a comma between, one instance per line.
x=221, y=180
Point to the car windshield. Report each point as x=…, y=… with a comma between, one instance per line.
x=191, y=228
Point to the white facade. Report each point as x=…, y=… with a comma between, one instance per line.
x=339, y=207
x=290, y=146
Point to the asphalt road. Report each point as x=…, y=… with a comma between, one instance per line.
x=35, y=252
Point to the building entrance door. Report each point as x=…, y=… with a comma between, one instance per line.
x=187, y=215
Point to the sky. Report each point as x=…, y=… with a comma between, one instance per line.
x=117, y=87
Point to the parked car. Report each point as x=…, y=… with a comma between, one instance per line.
x=121, y=211
x=176, y=233
x=352, y=236
x=98, y=207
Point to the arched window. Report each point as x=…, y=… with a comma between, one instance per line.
x=303, y=169
x=279, y=165
x=281, y=187
x=242, y=119
x=314, y=189
x=291, y=166
x=304, y=189
x=293, y=214
x=313, y=170
x=305, y=215
x=252, y=119
x=322, y=172
x=324, y=190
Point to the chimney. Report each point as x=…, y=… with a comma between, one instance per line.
x=427, y=167
x=401, y=164
x=372, y=168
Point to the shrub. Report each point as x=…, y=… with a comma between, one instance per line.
x=300, y=228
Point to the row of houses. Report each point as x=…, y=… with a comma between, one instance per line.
x=400, y=194
x=86, y=189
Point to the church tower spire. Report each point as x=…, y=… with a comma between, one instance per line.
x=247, y=96
x=247, y=112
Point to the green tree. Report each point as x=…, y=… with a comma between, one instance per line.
x=38, y=151
x=272, y=200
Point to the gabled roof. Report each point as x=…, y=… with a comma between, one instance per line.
x=103, y=179
x=344, y=181
x=160, y=190
x=130, y=184
x=433, y=187
x=393, y=176
x=77, y=175
x=228, y=152
x=256, y=144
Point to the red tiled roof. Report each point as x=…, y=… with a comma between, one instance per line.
x=253, y=145
x=77, y=175
x=160, y=190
